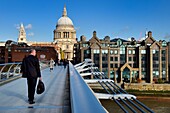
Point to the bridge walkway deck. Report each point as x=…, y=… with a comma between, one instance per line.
x=55, y=99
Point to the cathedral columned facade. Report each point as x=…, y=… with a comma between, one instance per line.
x=65, y=36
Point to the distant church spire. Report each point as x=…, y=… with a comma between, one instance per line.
x=22, y=34
x=22, y=25
x=64, y=12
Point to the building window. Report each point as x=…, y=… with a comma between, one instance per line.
x=134, y=58
x=122, y=59
x=129, y=52
x=96, y=51
x=122, y=50
x=96, y=60
x=66, y=34
x=116, y=58
x=58, y=34
x=143, y=74
x=104, y=65
x=104, y=51
x=111, y=58
x=155, y=58
x=103, y=45
x=115, y=52
x=130, y=58
x=119, y=42
x=134, y=65
x=111, y=65
x=164, y=44
x=163, y=58
x=143, y=58
x=111, y=51
x=153, y=51
x=143, y=51
x=163, y=66
x=104, y=58
x=111, y=45
x=86, y=52
x=163, y=53
x=85, y=45
x=156, y=74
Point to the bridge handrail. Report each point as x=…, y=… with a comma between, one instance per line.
x=13, y=69
x=9, y=63
x=82, y=97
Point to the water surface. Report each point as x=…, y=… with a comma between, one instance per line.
x=157, y=104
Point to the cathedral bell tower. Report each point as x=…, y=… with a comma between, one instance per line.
x=22, y=35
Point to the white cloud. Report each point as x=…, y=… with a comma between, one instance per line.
x=77, y=28
x=31, y=34
x=29, y=26
x=17, y=26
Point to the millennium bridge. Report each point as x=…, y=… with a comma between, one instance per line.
x=67, y=90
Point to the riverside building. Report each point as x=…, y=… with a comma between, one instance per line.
x=123, y=60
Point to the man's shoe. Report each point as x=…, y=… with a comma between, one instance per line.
x=31, y=102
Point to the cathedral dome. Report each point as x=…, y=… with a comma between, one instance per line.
x=65, y=21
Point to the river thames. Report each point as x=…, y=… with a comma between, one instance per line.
x=157, y=104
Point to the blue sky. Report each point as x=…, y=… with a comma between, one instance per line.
x=114, y=18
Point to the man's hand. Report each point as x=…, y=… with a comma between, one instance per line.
x=40, y=78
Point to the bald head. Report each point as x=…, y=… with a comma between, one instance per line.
x=33, y=52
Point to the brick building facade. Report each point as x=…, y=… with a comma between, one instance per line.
x=15, y=52
x=145, y=60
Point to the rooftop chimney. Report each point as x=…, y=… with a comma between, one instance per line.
x=149, y=34
x=94, y=33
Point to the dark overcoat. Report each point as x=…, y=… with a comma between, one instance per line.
x=30, y=67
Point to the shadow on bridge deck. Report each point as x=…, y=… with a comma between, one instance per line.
x=55, y=99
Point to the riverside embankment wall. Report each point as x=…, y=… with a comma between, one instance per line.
x=147, y=86
x=138, y=86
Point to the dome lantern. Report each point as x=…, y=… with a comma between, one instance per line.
x=64, y=20
x=64, y=12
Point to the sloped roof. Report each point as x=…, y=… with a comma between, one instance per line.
x=116, y=39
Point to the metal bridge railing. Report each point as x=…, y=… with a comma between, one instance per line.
x=82, y=97
x=8, y=70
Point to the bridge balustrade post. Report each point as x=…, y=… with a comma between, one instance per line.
x=8, y=72
x=2, y=70
x=17, y=67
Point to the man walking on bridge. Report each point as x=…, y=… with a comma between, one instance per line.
x=30, y=69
